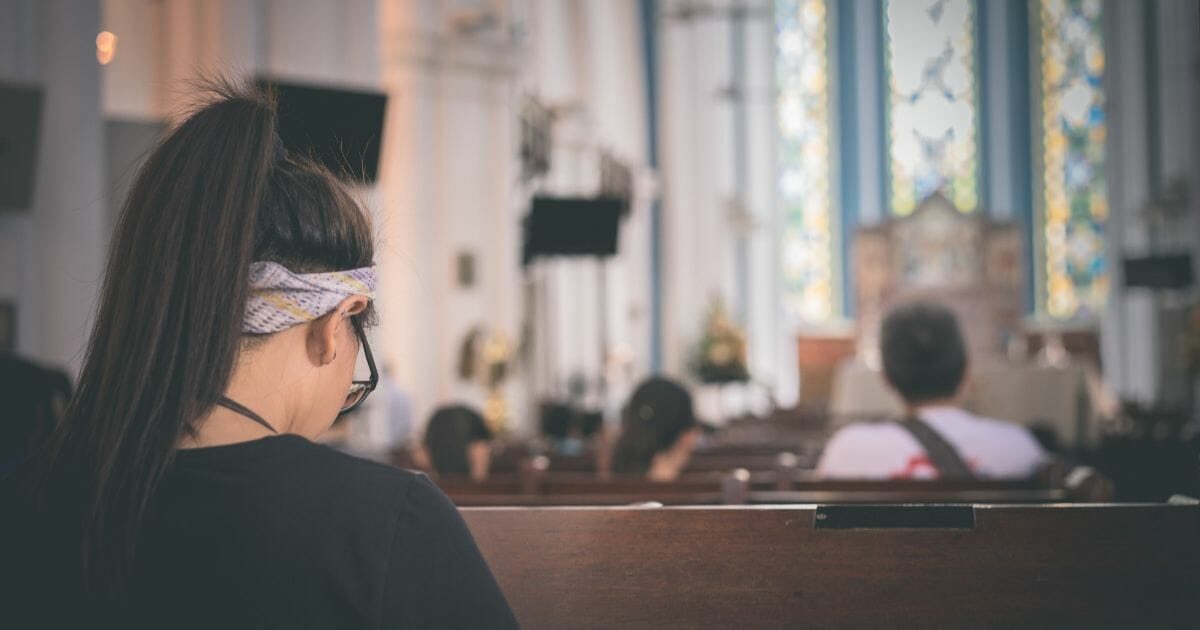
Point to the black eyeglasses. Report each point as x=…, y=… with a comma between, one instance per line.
x=359, y=389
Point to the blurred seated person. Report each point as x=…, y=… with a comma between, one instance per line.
x=32, y=400
x=658, y=431
x=925, y=362
x=398, y=411
x=457, y=443
x=576, y=438
x=568, y=428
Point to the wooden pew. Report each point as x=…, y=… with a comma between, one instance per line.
x=573, y=489
x=721, y=459
x=583, y=489
x=846, y=566
x=718, y=462
x=670, y=497
x=537, y=485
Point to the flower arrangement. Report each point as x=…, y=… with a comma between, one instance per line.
x=721, y=354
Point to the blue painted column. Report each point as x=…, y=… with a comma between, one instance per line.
x=649, y=18
x=1019, y=126
x=862, y=170
x=847, y=107
x=1006, y=124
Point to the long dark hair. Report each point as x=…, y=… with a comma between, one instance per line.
x=217, y=193
x=451, y=429
x=659, y=411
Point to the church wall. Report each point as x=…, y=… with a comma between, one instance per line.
x=50, y=253
x=449, y=183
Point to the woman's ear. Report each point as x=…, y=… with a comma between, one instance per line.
x=324, y=332
x=322, y=338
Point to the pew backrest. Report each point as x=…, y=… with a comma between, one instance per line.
x=578, y=489
x=846, y=566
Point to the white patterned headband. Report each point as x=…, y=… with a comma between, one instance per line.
x=280, y=299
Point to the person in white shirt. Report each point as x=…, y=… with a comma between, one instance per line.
x=925, y=361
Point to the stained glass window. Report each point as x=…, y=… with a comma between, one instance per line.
x=931, y=103
x=1074, y=197
x=802, y=69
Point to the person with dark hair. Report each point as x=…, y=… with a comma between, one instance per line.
x=925, y=361
x=658, y=431
x=457, y=443
x=183, y=488
x=32, y=401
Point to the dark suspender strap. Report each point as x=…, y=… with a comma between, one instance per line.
x=944, y=456
x=240, y=409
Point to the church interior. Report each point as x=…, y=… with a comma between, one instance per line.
x=589, y=215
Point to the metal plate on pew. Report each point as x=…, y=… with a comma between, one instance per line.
x=894, y=517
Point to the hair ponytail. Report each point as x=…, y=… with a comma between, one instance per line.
x=658, y=412
x=169, y=321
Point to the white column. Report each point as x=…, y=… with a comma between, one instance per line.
x=321, y=41
x=616, y=104
x=130, y=82
x=446, y=187
x=1175, y=53
x=1178, y=57
x=772, y=342
x=19, y=35
x=53, y=252
x=1129, y=331
x=696, y=178
x=407, y=228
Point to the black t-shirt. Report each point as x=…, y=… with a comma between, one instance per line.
x=281, y=532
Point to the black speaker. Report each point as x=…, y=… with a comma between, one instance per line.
x=20, y=121
x=342, y=129
x=1167, y=271
x=569, y=226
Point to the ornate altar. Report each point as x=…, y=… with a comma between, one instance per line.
x=965, y=261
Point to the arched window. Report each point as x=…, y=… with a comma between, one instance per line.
x=932, y=118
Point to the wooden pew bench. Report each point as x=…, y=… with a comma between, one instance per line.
x=846, y=566
x=573, y=489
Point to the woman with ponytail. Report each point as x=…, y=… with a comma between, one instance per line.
x=183, y=488
x=658, y=431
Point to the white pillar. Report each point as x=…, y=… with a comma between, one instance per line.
x=321, y=41
x=771, y=341
x=446, y=187
x=697, y=179
x=53, y=252
x=1129, y=330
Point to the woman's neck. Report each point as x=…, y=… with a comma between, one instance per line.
x=668, y=465
x=222, y=426
x=259, y=387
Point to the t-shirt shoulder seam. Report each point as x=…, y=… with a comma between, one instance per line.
x=366, y=465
